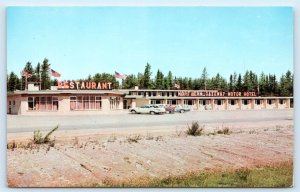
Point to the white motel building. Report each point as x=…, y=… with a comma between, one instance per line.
x=92, y=98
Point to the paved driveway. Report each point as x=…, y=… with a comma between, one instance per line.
x=67, y=122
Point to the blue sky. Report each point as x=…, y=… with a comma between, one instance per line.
x=79, y=41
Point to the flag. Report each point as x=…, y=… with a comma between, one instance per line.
x=26, y=74
x=118, y=75
x=54, y=73
x=177, y=86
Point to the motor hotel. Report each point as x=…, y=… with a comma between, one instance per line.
x=98, y=98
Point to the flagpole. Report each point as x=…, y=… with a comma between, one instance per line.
x=40, y=84
x=21, y=81
x=26, y=82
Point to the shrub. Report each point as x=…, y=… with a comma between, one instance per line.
x=194, y=130
x=12, y=145
x=38, y=136
x=133, y=138
x=224, y=131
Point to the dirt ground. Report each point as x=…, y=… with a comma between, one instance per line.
x=85, y=157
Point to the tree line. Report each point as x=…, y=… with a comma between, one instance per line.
x=263, y=84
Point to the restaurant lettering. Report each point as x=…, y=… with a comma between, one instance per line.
x=84, y=85
x=215, y=94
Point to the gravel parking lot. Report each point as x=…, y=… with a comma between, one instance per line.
x=124, y=119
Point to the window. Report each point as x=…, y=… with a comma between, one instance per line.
x=9, y=102
x=85, y=103
x=73, y=103
x=43, y=103
x=54, y=103
x=270, y=101
x=245, y=102
x=281, y=101
x=154, y=93
x=114, y=102
x=37, y=103
x=232, y=102
x=258, y=102
x=155, y=101
x=30, y=103
x=14, y=102
x=219, y=102
x=49, y=104
x=98, y=103
x=188, y=102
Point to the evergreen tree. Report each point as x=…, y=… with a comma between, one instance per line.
x=45, y=78
x=185, y=83
x=13, y=82
x=246, y=81
x=231, y=84
x=190, y=84
x=204, y=78
x=197, y=84
x=130, y=82
x=37, y=72
x=159, y=80
x=140, y=80
x=147, y=77
x=262, y=85
x=28, y=68
x=289, y=82
x=234, y=81
x=169, y=81
x=239, y=83
x=286, y=84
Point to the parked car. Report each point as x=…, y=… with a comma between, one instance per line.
x=182, y=109
x=147, y=109
x=168, y=108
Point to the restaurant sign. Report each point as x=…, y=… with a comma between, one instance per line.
x=85, y=85
x=215, y=94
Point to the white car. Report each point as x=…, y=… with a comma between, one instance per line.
x=147, y=109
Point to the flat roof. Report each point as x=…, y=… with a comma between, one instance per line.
x=202, y=98
x=66, y=91
x=125, y=93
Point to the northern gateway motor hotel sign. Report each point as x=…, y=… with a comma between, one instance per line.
x=84, y=85
x=215, y=94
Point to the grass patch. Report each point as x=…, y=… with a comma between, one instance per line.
x=279, y=175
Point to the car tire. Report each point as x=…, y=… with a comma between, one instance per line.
x=152, y=112
x=181, y=111
x=133, y=111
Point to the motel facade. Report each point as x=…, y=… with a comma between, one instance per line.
x=98, y=98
